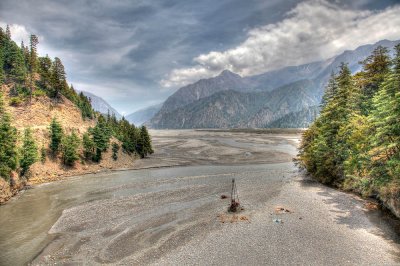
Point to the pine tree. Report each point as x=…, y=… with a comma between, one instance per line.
x=15, y=62
x=385, y=117
x=29, y=153
x=330, y=90
x=43, y=154
x=56, y=135
x=115, y=149
x=2, y=75
x=8, y=32
x=8, y=143
x=45, y=65
x=33, y=54
x=88, y=146
x=58, y=78
x=375, y=68
x=69, y=149
x=145, y=147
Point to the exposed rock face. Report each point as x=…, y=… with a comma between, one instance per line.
x=232, y=110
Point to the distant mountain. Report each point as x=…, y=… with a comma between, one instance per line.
x=193, y=105
x=143, y=115
x=100, y=105
x=201, y=89
x=232, y=109
x=300, y=119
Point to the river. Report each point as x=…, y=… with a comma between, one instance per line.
x=151, y=215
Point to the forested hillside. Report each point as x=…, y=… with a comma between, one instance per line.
x=355, y=142
x=47, y=129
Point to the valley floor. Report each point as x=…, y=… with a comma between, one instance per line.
x=172, y=213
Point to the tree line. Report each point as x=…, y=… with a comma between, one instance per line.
x=355, y=141
x=29, y=75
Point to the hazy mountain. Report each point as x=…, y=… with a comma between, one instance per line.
x=201, y=89
x=300, y=119
x=191, y=106
x=229, y=108
x=100, y=105
x=143, y=115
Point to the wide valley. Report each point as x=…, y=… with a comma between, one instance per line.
x=172, y=210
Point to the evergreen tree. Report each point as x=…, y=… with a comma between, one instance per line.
x=15, y=62
x=115, y=149
x=58, y=78
x=43, y=154
x=33, y=54
x=101, y=134
x=8, y=143
x=45, y=65
x=2, y=74
x=8, y=32
x=56, y=135
x=375, y=68
x=69, y=149
x=144, y=145
x=88, y=146
x=330, y=90
x=29, y=153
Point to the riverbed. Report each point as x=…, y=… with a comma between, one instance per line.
x=170, y=212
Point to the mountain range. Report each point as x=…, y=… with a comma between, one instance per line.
x=288, y=97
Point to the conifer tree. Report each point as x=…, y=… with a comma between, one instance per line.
x=8, y=32
x=33, y=54
x=115, y=149
x=144, y=144
x=69, y=149
x=375, y=68
x=330, y=90
x=45, y=72
x=29, y=153
x=1, y=62
x=8, y=143
x=58, y=78
x=56, y=135
x=88, y=146
x=43, y=154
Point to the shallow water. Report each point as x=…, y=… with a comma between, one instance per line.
x=27, y=218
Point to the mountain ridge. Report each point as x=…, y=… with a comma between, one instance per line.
x=318, y=72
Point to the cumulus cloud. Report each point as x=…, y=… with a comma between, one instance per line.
x=312, y=31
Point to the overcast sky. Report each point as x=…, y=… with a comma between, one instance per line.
x=137, y=53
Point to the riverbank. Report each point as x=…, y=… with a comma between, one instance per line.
x=174, y=215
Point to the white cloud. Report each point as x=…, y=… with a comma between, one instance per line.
x=313, y=30
x=18, y=32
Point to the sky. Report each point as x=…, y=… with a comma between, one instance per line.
x=136, y=53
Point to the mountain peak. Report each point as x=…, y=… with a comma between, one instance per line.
x=228, y=73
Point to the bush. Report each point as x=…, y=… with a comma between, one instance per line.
x=16, y=101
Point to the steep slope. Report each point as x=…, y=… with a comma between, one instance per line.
x=232, y=109
x=143, y=115
x=100, y=105
x=201, y=89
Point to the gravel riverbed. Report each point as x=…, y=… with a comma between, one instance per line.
x=175, y=215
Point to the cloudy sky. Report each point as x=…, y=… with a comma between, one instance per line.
x=135, y=53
